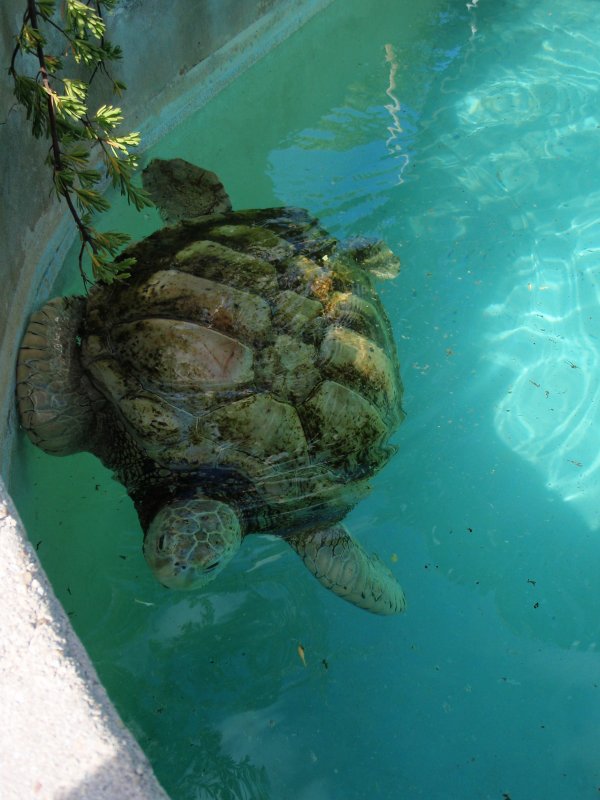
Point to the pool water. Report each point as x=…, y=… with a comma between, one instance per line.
x=467, y=137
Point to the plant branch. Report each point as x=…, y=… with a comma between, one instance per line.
x=56, y=155
x=84, y=233
x=65, y=120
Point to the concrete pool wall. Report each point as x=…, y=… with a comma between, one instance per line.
x=61, y=737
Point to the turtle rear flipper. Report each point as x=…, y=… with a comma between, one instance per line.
x=341, y=564
x=56, y=400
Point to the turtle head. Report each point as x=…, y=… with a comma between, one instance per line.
x=190, y=540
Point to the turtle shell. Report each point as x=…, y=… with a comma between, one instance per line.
x=250, y=343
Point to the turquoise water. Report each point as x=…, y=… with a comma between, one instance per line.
x=466, y=136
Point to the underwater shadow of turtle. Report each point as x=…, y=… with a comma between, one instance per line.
x=243, y=380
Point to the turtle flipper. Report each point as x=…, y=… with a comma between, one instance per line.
x=190, y=540
x=341, y=564
x=56, y=400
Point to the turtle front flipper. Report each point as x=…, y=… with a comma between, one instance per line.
x=341, y=564
x=56, y=400
x=190, y=540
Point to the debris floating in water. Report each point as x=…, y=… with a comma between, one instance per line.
x=301, y=654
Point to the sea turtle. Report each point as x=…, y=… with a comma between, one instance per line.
x=243, y=380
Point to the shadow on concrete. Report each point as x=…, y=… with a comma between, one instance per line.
x=116, y=780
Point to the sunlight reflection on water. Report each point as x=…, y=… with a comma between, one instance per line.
x=545, y=332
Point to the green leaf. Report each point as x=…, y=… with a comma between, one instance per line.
x=30, y=38
x=63, y=114
x=112, y=241
x=46, y=7
x=109, y=271
x=75, y=89
x=82, y=19
x=63, y=180
x=69, y=131
x=31, y=95
x=76, y=156
x=108, y=117
x=138, y=197
x=69, y=107
x=84, y=52
x=90, y=199
x=112, y=52
x=88, y=177
x=129, y=140
x=53, y=64
x=118, y=87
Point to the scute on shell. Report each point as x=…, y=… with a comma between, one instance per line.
x=215, y=261
x=343, y=427
x=288, y=368
x=256, y=241
x=183, y=355
x=261, y=426
x=361, y=315
x=357, y=362
x=293, y=312
x=171, y=294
